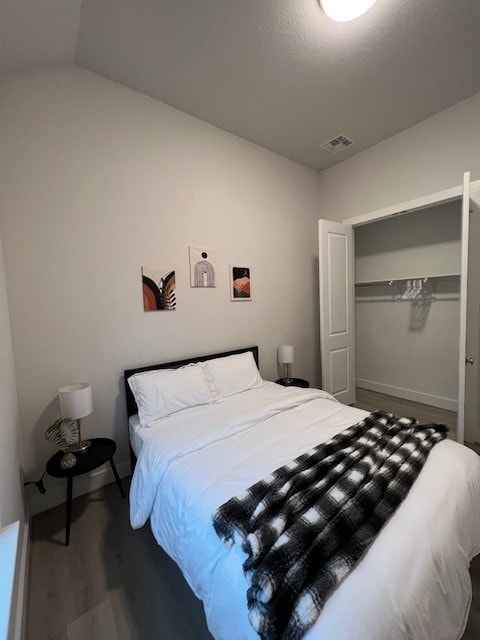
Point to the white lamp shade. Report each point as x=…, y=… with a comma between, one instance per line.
x=76, y=400
x=345, y=10
x=285, y=353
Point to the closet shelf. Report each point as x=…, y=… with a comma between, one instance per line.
x=443, y=276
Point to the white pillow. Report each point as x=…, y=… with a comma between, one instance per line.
x=233, y=374
x=162, y=392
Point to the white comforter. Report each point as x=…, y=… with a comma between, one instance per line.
x=413, y=583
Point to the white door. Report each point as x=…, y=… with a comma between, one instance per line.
x=337, y=283
x=472, y=332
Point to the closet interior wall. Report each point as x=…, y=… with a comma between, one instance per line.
x=408, y=348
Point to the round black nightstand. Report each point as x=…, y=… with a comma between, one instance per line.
x=100, y=451
x=293, y=382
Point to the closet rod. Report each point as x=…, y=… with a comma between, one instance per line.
x=389, y=281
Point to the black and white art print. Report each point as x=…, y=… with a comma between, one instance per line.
x=202, y=267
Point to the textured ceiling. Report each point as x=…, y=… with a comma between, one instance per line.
x=36, y=33
x=275, y=72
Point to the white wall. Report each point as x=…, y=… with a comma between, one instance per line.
x=409, y=349
x=422, y=243
x=11, y=499
x=98, y=180
x=424, y=159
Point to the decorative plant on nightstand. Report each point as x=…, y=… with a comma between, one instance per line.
x=62, y=433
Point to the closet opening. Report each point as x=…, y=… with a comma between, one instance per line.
x=400, y=308
x=407, y=313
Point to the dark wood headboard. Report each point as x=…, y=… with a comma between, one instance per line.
x=131, y=404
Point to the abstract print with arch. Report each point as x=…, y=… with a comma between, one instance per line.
x=202, y=269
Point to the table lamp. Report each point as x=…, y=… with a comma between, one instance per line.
x=76, y=402
x=285, y=354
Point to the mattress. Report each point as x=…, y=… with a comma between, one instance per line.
x=413, y=582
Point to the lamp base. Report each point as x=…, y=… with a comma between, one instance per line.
x=80, y=447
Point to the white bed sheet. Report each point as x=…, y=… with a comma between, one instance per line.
x=135, y=433
x=412, y=584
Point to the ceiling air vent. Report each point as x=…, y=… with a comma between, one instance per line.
x=337, y=144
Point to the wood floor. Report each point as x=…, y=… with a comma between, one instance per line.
x=371, y=400
x=111, y=583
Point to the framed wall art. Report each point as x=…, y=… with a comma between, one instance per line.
x=159, y=289
x=202, y=267
x=240, y=284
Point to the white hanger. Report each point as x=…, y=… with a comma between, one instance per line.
x=416, y=288
x=408, y=290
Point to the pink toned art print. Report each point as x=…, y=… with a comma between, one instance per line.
x=240, y=284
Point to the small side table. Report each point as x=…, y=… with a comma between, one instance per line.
x=293, y=382
x=99, y=452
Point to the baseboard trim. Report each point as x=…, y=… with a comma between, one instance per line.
x=407, y=394
x=56, y=487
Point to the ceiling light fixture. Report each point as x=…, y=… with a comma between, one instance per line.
x=344, y=10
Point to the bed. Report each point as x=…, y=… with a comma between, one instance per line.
x=413, y=582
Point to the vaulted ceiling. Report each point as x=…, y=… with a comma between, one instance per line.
x=276, y=72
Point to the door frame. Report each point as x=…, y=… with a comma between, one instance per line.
x=425, y=202
x=417, y=204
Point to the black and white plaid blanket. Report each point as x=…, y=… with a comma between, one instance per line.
x=306, y=525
